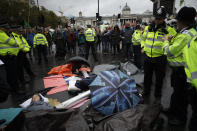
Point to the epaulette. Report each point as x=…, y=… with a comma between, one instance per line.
x=185, y=32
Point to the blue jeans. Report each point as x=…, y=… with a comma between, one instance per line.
x=105, y=46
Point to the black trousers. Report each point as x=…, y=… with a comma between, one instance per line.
x=155, y=65
x=20, y=65
x=179, y=102
x=116, y=47
x=192, y=97
x=137, y=55
x=27, y=66
x=93, y=48
x=42, y=51
x=4, y=92
x=128, y=53
x=10, y=63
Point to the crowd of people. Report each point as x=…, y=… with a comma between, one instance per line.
x=157, y=43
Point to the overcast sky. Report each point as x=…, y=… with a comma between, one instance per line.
x=107, y=7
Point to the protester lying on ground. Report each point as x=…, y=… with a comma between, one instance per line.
x=38, y=103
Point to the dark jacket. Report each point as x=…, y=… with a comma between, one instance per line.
x=127, y=33
x=115, y=36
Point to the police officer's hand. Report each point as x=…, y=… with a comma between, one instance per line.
x=164, y=39
x=170, y=37
x=142, y=50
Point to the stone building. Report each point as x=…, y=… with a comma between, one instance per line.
x=125, y=16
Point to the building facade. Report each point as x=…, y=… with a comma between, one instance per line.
x=125, y=16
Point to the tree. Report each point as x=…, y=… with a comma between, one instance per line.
x=17, y=13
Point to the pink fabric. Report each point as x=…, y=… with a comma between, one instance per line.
x=56, y=81
x=78, y=103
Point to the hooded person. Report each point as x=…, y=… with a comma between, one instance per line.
x=115, y=39
x=126, y=36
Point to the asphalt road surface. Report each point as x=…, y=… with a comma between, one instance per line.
x=42, y=70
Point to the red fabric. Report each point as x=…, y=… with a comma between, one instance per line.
x=56, y=81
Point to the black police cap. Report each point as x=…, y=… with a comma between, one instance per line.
x=137, y=27
x=186, y=15
x=161, y=12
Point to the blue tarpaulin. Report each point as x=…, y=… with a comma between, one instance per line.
x=9, y=114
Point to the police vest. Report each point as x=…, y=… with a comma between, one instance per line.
x=24, y=44
x=153, y=43
x=8, y=45
x=40, y=39
x=21, y=41
x=136, y=38
x=190, y=58
x=174, y=49
x=90, y=34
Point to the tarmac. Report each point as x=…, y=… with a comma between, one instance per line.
x=42, y=70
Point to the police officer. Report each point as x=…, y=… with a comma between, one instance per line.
x=151, y=45
x=40, y=42
x=9, y=49
x=21, y=55
x=173, y=48
x=90, y=42
x=190, y=56
x=136, y=38
x=25, y=49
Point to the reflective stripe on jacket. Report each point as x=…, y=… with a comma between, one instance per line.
x=25, y=46
x=190, y=58
x=152, y=41
x=136, y=38
x=8, y=45
x=40, y=39
x=174, y=49
x=90, y=34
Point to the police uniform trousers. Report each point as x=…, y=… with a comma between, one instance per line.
x=155, y=65
x=93, y=48
x=179, y=101
x=137, y=55
x=27, y=66
x=10, y=63
x=20, y=65
x=192, y=97
x=42, y=51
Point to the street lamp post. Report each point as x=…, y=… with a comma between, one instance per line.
x=98, y=6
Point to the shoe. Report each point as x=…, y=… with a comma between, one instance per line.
x=166, y=111
x=175, y=121
x=157, y=101
x=24, y=82
x=19, y=92
x=32, y=77
x=145, y=94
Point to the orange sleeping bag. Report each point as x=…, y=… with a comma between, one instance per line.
x=65, y=70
